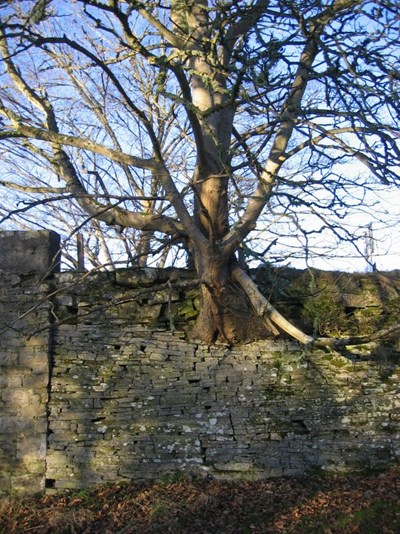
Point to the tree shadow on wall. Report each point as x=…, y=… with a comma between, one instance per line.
x=141, y=403
x=78, y=455
x=23, y=418
x=293, y=411
x=138, y=401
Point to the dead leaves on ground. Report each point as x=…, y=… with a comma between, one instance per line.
x=341, y=504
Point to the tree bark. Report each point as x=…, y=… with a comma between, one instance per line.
x=227, y=314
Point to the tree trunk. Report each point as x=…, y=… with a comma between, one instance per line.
x=226, y=313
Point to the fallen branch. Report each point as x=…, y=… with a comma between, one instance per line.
x=265, y=310
x=268, y=313
x=337, y=343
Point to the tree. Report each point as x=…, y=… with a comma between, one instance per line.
x=203, y=118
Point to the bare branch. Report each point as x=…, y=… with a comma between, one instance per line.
x=34, y=190
x=32, y=132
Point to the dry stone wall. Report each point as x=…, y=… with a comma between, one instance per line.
x=130, y=397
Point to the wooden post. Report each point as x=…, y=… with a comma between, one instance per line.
x=80, y=252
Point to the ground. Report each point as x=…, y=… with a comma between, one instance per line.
x=365, y=503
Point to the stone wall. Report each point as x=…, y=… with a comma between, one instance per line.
x=27, y=260
x=131, y=398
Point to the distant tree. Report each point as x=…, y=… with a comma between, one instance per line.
x=192, y=122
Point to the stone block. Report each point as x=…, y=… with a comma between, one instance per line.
x=30, y=252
